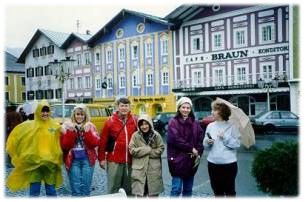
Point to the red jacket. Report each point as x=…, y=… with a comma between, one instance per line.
x=91, y=141
x=113, y=126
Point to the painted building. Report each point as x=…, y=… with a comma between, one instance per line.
x=133, y=57
x=14, y=80
x=233, y=52
x=79, y=86
x=44, y=47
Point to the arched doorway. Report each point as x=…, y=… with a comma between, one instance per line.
x=156, y=108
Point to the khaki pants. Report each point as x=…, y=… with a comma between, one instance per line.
x=118, y=176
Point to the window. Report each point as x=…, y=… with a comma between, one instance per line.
x=135, y=80
x=80, y=86
x=122, y=81
x=149, y=50
x=121, y=54
x=35, y=52
x=218, y=41
x=119, y=33
x=30, y=72
x=23, y=81
x=87, y=58
x=109, y=82
x=79, y=59
x=97, y=58
x=196, y=44
x=43, y=51
x=39, y=71
x=49, y=94
x=134, y=52
x=150, y=79
x=165, y=79
x=240, y=39
x=87, y=82
x=6, y=81
x=164, y=47
x=71, y=81
x=7, y=96
x=218, y=77
x=267, y=71
x=98, y=83
x=241, y=75
x=48, y=70
x=140, y=28
x=267, y=33
x=24, y=96
x=58, y=93
x=50, y=49
x=197, y=78
x=109, y=56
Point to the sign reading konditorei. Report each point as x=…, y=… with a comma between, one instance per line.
x=266, y=50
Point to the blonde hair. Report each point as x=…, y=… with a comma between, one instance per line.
x=80, y=109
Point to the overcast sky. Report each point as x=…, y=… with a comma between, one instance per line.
x=22, y=21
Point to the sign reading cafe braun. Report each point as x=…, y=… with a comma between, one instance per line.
x=238, y=54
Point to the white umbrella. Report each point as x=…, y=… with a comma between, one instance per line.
x=242, y=121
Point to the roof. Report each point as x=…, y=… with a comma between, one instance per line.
x=120, y=16
x=58, y=38
x=75, y=36
x=183, y=13
x=11, y=64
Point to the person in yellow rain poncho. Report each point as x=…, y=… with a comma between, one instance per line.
x=34, y=147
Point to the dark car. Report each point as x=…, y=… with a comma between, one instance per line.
x=160, y=122
x=275, y=120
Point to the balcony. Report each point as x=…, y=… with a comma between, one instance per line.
x=229, y=82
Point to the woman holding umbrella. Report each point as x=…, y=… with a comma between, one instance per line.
x=222, y=139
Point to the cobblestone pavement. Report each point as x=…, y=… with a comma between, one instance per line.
x=245, y=184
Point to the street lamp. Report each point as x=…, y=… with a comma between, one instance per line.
x=268, y=85
x=62, y=74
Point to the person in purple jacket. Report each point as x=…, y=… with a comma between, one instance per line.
x=184, y=148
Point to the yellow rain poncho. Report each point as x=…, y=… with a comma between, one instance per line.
x=34, y=147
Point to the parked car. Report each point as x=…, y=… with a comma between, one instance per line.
x=275, y=120
x=98, y=114
x=160, y=121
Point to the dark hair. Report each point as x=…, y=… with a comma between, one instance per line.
x=45, y=109
x=123, y=100
x=224, y=110
x=140, y=122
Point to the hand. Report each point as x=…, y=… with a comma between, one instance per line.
x=210, y=141
x=68, y=125
x=195, y=152
x=103, y=164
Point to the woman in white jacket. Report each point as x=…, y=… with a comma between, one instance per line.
x=221, y=141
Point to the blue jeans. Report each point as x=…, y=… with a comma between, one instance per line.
x=179, y=183
x=80, y=177
x=35, y=189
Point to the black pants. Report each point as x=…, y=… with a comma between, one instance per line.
x=222, y=178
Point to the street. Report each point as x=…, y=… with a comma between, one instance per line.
x=245, y=183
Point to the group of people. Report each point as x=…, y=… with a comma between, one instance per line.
x=128, y=148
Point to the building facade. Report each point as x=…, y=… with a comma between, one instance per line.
x=43, y=48
x=15, y=92
x=233, y=52
x=133, y=57
x=79, y=86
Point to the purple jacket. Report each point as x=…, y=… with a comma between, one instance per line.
x=182, y=137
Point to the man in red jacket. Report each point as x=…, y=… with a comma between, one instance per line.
x=116, y=158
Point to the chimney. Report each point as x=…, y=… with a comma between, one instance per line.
x=88, y=32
